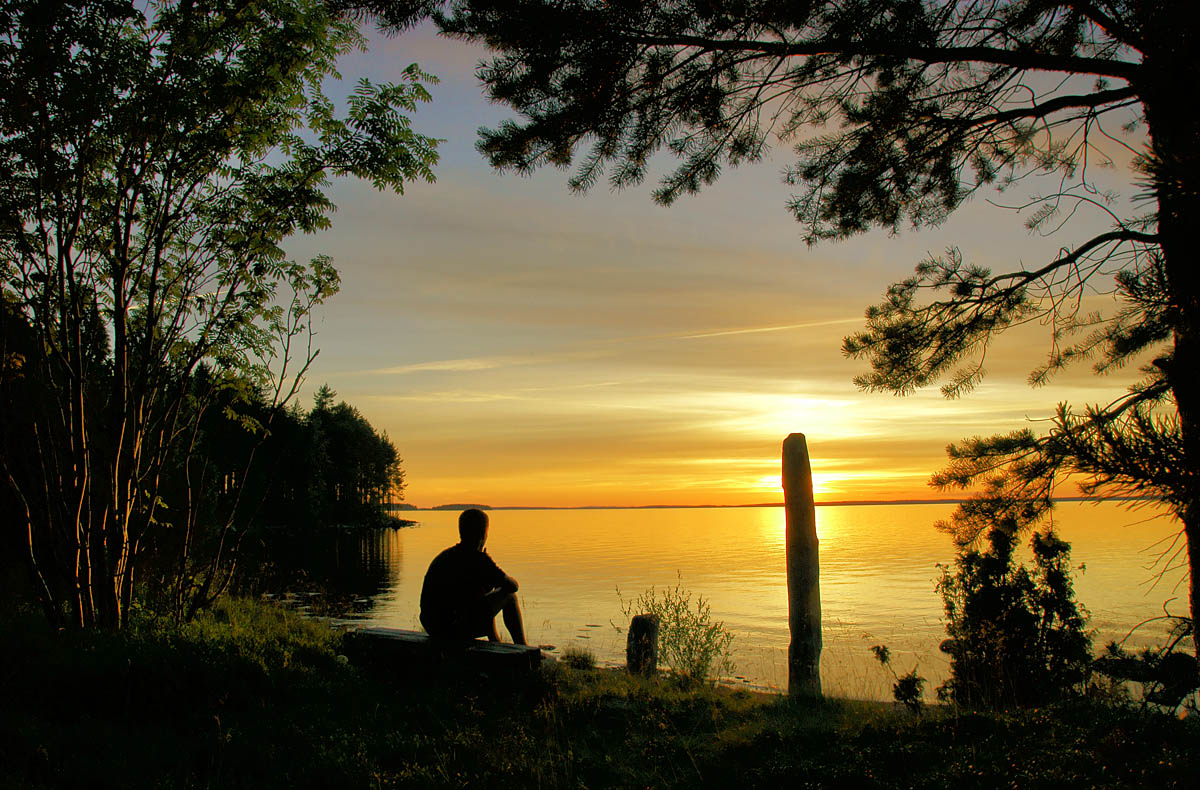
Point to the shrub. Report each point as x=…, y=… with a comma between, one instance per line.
x=689, y=642
x=1016, y=637
x=909, y=688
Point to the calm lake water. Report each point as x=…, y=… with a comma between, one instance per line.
x=878, y=570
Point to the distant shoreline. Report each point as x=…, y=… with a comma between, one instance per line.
x=832, y=503
x=710, y=507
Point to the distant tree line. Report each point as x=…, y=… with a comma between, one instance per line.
x=332, y=468
x=326, y=467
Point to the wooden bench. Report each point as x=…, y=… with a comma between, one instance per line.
x=415, y=652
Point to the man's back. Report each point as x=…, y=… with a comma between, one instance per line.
x=464, y=588
x=456, y=581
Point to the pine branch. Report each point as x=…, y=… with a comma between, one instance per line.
x=1057, y=104
x=845, y=48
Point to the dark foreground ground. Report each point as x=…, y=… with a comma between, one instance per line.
x=251, y=696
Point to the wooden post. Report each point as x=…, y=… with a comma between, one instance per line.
x=803, y=571
x=641, y=646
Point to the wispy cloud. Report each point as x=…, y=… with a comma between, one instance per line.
x=477, y=363
x=468, y=364
x=757, y=329
x=444, y=396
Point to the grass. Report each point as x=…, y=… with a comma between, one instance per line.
x=578, y=658
x=252, y=696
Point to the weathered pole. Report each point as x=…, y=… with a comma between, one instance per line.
x=803, y=571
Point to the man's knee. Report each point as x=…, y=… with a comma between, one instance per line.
x=499, y=600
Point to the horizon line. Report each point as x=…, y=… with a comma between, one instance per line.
x=405, y=507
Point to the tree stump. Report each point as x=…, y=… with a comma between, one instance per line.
x=641, y=646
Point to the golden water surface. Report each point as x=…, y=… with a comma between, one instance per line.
x=878, y=570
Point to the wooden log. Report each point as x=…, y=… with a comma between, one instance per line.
x=395, y=649
x=803, y=570
x=641, y=645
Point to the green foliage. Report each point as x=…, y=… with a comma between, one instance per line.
x=1015, y=637
x=153, y=159
x=690, y=642
x=909, y=688
x=269, y=637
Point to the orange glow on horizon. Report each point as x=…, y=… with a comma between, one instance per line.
x=766, y=489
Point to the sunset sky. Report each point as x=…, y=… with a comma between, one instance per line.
x=522, y=345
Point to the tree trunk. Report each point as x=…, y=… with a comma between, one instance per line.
x=803, y=571
x=1191, y=519
x=1174, y=126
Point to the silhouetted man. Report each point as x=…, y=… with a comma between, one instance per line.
x=464, y=588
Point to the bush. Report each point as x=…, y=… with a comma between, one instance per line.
x=909, y=688
x=1015, y=637
x=689, y=641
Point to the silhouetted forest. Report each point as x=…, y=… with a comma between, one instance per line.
x=241, y=466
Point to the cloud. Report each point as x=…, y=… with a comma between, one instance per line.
x=447, y=364
x=444, y=396
x=759, y=329
x=469, y=364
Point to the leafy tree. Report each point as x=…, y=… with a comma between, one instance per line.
x=153, y=158
x=898, y=111
x=211, y=487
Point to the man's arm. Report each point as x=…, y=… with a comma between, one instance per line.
x=498, y=579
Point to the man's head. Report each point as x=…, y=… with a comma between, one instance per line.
x=473, y=527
